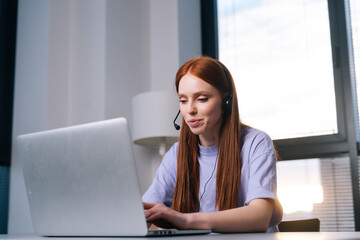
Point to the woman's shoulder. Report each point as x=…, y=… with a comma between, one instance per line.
x=170, y=158
x=255, y=140
x=253, y=134
x=173, y=149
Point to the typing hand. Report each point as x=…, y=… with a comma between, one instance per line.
x=164, y=217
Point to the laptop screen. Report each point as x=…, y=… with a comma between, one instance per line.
x=82, y=180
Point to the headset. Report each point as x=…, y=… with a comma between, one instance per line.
x=227, y=102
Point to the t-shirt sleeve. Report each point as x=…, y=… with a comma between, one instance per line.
x=262, y=180
x=162, y=188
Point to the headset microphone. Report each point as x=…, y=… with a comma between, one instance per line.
x=177, y=127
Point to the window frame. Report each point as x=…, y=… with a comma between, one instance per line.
x=346, y=141
x=8, y=19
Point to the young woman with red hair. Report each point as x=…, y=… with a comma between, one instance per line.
x=221, y=175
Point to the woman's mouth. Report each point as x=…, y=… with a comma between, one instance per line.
x=194, y=122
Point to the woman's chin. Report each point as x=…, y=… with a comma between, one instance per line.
x=196, y=131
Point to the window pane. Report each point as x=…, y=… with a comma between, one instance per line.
x=317, y=188
x=355, y=30
x=279, y=53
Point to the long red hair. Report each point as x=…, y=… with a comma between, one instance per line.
x=228, y=175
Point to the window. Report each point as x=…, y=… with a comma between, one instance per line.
x=355, y=30
x=275, y=63
x=317, y=188
x=296, y=67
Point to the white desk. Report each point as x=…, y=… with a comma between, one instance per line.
x=250, y=236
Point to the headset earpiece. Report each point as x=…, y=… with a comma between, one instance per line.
x=227, y=102
x=226, y=105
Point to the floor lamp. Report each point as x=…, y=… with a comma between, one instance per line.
x=153, y=115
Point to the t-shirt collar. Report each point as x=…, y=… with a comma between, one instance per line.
x=213, y=150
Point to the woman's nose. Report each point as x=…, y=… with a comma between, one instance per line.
x=192, y=108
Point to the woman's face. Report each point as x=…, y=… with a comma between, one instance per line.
x=200, y=106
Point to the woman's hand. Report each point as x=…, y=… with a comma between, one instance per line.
x=254, y=217
x=165, y=217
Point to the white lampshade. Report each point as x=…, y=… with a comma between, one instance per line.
x=153, y=115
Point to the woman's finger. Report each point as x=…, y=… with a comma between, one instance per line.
x=148, y=205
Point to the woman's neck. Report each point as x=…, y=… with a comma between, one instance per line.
x=208, y=141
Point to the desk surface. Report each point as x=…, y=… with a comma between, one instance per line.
x=250, y=236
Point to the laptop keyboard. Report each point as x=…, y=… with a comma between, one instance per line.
x=161, y=232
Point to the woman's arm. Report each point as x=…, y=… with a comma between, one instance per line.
x=254, y=217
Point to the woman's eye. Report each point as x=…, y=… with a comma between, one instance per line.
x=203, y=99
x=182, y=101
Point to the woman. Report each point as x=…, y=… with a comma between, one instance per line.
x=221, y=175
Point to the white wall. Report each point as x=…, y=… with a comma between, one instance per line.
x=29, y=99
x=82, y=61
x=175, y=38
x=127, y=53
x=128, y=68
x=189, y=30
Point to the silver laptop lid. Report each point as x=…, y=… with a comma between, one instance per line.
x=82, y=181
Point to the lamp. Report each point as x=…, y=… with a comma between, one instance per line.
x=153, y=115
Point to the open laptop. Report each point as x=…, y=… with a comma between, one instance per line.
x=82, y=181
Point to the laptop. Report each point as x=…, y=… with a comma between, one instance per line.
x=82, y=181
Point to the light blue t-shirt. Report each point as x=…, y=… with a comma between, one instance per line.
x=258, y=176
